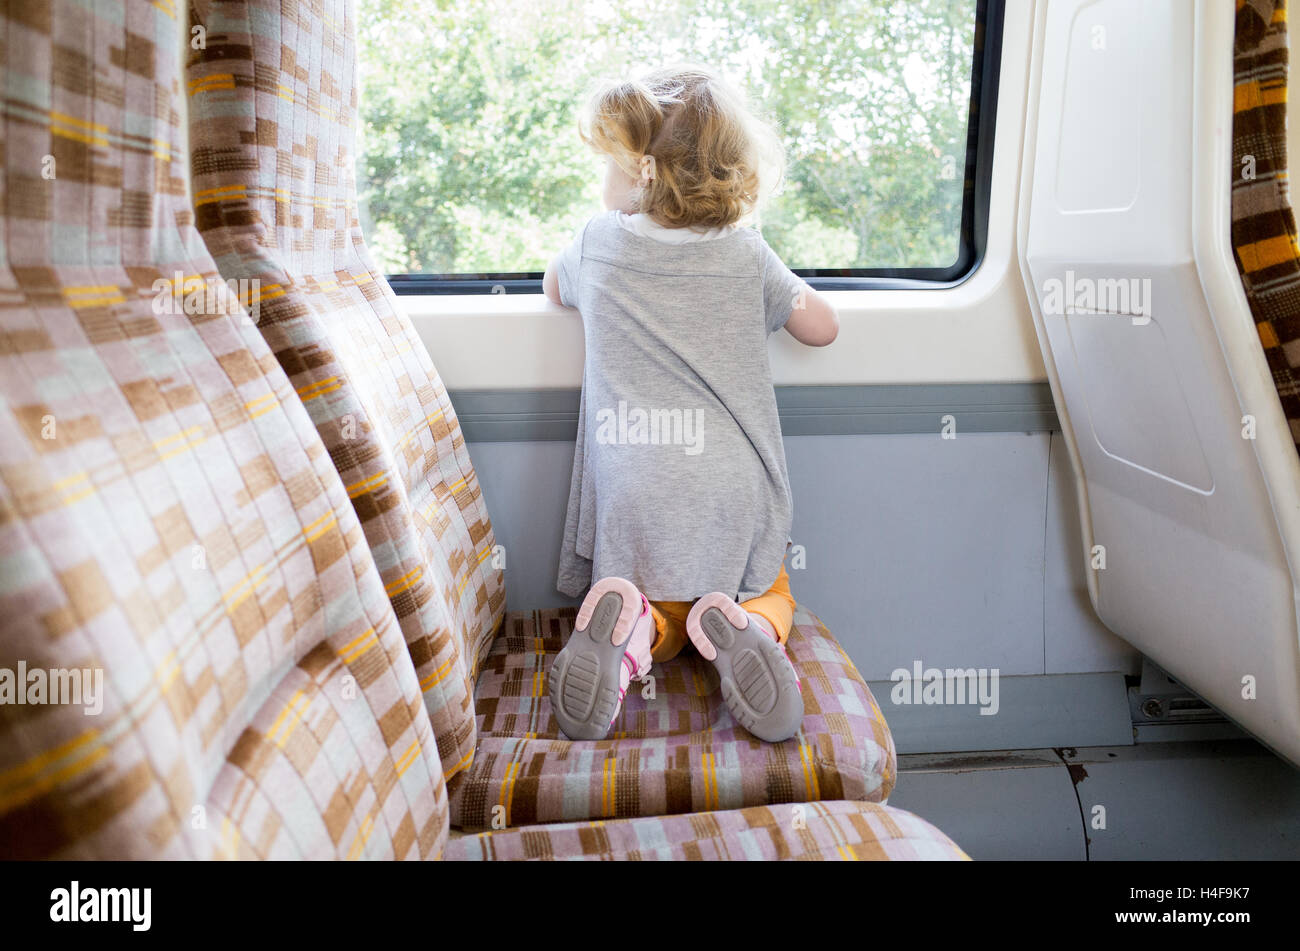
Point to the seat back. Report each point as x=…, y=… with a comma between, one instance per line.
x=272, y=113
x=1188, y=476
x=197, y=655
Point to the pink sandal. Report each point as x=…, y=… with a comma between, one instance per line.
x=759, y=682
x=609, y=648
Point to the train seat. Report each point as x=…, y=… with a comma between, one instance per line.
x=276, y=202
x=836, y=830
x=177, y=553
x=172, y=512
x=675, y=747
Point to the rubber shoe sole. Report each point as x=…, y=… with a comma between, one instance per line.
x=584, y=679
x=758, y=683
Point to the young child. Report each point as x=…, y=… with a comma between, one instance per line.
x=679, y=501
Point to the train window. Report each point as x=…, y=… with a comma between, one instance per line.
x=472, y=174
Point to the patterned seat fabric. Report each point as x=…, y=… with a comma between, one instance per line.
x=272, y=108
x=1263, y=224
x=845, y=831
x=169, y=519
x=678, y=752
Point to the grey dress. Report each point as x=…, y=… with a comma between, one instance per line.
x=679, y=479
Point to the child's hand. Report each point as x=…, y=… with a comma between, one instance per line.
x=813, y=320
x=551, y=283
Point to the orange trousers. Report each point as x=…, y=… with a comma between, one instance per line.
x=775, y=605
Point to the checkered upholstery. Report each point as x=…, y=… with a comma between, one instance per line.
x=680, y=752
x=272, y=100
x=1263, y=225
x=272, y=106
x=835, y=831
x=171, y=511
x=168, y=514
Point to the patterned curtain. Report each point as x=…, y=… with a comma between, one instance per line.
x=1263, y=225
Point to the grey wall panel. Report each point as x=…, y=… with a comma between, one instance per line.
x=958, y=552
x=1018, y=805
x=526, y=486
x=1075, y=640
x=924, y=548
x=515, y=415
x=1028, y=713
x=1171, y=801
x=1229, y=800
x=916, y=408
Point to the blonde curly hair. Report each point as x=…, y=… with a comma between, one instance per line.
x=715, y=161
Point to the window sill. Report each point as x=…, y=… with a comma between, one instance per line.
x=978, y=331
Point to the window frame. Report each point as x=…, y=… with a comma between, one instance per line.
x=972, y=240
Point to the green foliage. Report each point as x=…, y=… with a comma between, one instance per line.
x=470, y=161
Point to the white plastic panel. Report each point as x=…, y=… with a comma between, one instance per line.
x=1088, y=179
x=1162, y=438
x=1127, y=171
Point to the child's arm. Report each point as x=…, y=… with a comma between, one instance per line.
x=813, y=320
x=551, y=282
x=789, y=302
